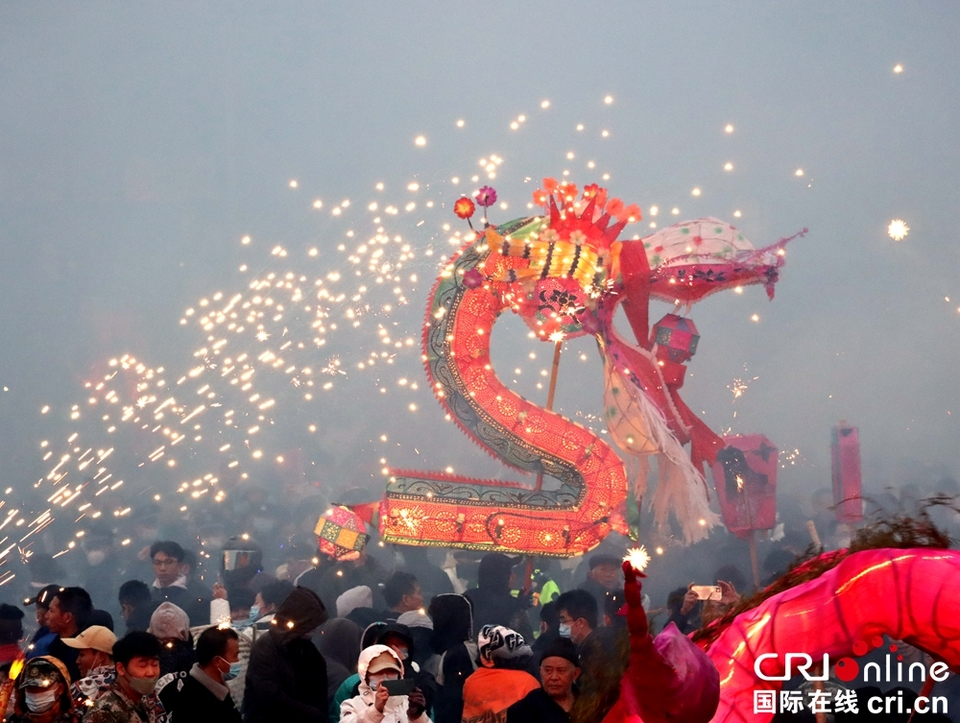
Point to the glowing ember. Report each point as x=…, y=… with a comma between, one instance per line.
x=638, y=557
x=898, y=229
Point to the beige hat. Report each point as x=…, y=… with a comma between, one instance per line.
x=384, y=661
x=95, y=637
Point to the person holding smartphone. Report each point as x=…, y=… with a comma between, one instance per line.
x=384, y=695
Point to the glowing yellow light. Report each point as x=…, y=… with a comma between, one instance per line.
x=798, y=172
x=728, y=128
x=460, y=123
x=638, y=557
x=737, y=214
x=608, y=99
x=898, y=68
x=293, y=183
x=728, y=166
x=545, y=104
x=755, y=317
x=898, y=229
x=695, y=192
x=420, y=141
x=675, y=211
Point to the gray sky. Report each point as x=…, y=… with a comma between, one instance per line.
x=140, y=142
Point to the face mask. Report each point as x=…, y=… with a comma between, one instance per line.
x=565, y=631
x=96, y=557
x=40, y=702
x=143, y=686
x=375, y=680
x=254, y=613
x=233, y=672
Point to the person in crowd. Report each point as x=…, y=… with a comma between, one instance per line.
x=373, y=703
x=501, y=680
x=555, y=698
x=68, y=615
x=602, y=659
x=205, y=697
x=682, y=604
x=363, y=569
x=421, y=629
x=241, y=604
x=188, y=569
x=11, y=633
x=402, y=593
x=356, y=604
x=491, y=599
x=42, y=693
x=452, y=640
x=604, y=580
x=267, y=602
x=40, y=642
x=132, y=697
x=95, y=660
x=351, y=686
x=287, y=675
x=338, y=640
x=729, y=597
x=433, y=580
x=136, y=605
x=549, y=628
x=170, y=584
x=170, y=625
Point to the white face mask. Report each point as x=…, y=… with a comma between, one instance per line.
x=374, y=680
x=40, y=702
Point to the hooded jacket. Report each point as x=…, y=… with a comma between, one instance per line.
x=361, y=709
x=452, y=640
x=287, y=675
x=491, y=599
x=338, y=640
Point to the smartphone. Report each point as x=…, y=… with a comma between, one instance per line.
x=404, y=686
x=708, y=592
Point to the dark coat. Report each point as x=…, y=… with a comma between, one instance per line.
x=287, y=675
x=196, y=704
x=537, y=706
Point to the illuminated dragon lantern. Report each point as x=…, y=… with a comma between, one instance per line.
x=565, y=273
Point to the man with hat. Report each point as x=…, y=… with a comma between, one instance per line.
x=603, y=581
x=554, y=699
x=43, y=693
x=95, y=661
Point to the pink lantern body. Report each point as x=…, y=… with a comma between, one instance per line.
x=847, y=482
x=745, y=477
x=676, y=338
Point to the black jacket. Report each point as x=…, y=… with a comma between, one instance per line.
x=287, y=675
x=196, y=704
x=537, y=706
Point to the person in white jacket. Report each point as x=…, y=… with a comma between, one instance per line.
x=374, y=704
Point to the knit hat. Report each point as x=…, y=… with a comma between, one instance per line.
x=169, y=622
x=499, y=642
x=562, y=648
x=356, y=597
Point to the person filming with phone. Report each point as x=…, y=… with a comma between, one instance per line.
x=384, y=694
